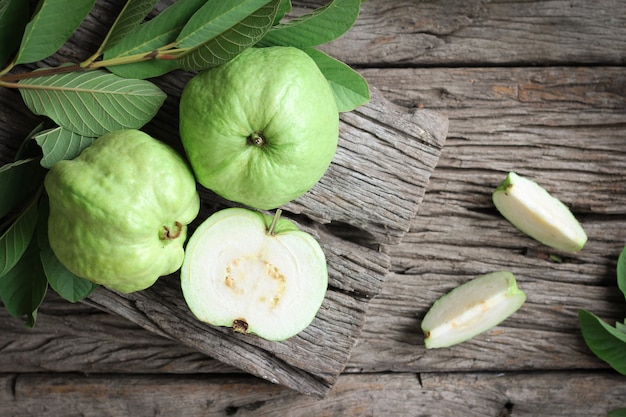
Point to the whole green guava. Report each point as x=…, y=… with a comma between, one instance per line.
x=261, y=129
x=119, y=211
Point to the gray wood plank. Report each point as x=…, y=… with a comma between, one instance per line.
x=575, y=394
x=481, y=32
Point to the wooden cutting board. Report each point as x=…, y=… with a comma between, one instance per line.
x=365, y=201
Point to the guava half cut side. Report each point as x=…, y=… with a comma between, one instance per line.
x=472, y=308
x=531, y=209
x=244, y=270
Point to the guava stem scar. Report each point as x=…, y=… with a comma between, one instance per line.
x=172, y=233
x=256, y=139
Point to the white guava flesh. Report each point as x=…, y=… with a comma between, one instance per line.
x=471, y=308
x=531, y=209
x=238, y=273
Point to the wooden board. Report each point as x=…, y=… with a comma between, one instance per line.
x=354, y=192
x=484, y=33
x=582, y=394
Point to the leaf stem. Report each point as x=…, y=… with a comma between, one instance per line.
x=164, y=53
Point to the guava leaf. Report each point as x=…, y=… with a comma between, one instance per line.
x=349, y=87
x=92, y=103
x=283, y=8
x=621, y=271
x=14, y=15
x=605, y=341
x=51, y=27
x=24, y=287
x=133, y=13
x=221, y=30
x=29, y=148
x=148, y=37
x=59, y=143
x=15, y=240
x=619, y=412
x=68, y=285
x=621, y=327
x=323, y=25
x=17, y=181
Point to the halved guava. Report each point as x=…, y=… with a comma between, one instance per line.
x=255, y=273
x=472, y=308
x=531, y=209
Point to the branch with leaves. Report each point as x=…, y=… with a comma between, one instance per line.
x=110, y=91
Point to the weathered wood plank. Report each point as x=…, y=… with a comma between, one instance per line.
x=77, y=338
x=438, y=395
x=482, y=32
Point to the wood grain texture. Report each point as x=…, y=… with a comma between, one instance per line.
x=437, y=395
x=483, y=32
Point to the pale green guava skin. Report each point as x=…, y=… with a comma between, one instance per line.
x=261, y=129
x=119, y=211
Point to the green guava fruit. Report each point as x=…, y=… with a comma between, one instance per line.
x=530, y=208
x=119, y=211
x=471, y=308
x=255, y=273
x=261, y=129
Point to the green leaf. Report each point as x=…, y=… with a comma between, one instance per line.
x=350, y=88
x=18, y=180
x=23, y=289
x=68, y=285
x=283, y=8
x=28, y=148
x=15, y=240
x=51, y=27
x=14, y=15
x=133, y=13
x=606, y=342
x=621, y=271
x=619, y=412
x=150, y=36
x=92, y=103
x=59, y=143
x=220, y=30
x=323, y=25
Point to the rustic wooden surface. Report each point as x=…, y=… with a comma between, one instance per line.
x=533, y=86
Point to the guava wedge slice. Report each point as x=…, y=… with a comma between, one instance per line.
x=472, y=308
x=531, y=209
x=255, y=273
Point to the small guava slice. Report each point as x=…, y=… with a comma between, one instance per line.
x=531, y=209
x=472, y=308
x=255, y=273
